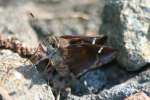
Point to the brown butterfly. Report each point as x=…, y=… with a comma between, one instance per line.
x=75, y=54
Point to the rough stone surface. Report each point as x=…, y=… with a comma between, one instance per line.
x=94, y=81
x=21, y=80
x=138, y=96
x=122, y=89
x=91, y=82
x=4, y=94
x=127, y=23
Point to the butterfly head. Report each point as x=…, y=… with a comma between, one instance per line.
x=51, y=43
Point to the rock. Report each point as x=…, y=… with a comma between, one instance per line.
x=138, y=96
x=49, y=17
x=21, y=80
x=92, y=82
x=79, y=17
x=119, y=90
x=14, y=22
x=127, y=24
x=4, y=94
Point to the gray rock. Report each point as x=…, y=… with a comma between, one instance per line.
x=91, y=82
x=127, y=24
x=79, y=17
x=14, y=22
x=94, y=81
x=21, y=80
x=140, y=82
x=50, y=17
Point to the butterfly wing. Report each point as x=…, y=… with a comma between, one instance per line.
x=81, y=58
x=80, y=53
x=99, y=40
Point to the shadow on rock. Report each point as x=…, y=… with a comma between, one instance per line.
x=30, y=72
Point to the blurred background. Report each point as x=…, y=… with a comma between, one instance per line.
x=41, y=17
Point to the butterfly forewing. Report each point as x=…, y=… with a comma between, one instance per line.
x=100, y=40
x=80, y=57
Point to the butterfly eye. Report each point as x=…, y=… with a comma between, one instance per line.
x=53, y=45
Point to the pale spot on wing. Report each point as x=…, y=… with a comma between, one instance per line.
x=94, y=41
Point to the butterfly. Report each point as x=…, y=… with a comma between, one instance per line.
x=75, y=54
